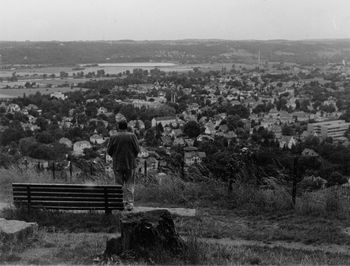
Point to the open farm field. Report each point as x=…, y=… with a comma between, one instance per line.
x=4, y=93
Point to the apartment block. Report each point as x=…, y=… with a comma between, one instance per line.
x=334, y=129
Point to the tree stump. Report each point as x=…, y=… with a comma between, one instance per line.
x=145, y=232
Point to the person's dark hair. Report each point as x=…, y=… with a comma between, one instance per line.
x=122, y=125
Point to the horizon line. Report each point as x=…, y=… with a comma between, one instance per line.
x=185, y=39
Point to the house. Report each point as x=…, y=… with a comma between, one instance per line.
x=277, y=130
x=179, y=141
x=203, y=120
x=287, y=142
x=189, y=142
x=166, y=120
x=301, y=116
x=97, y=139
x=58, y=95
x=210, y=128
x=66, y=142
x=309, y=152
x=119, y=117
x=98, y=122
x=113, y=132
x=136, y=124
x=188, y=116
x=177, y=132
x=285, y=117
x=91, y=101
x=79, y=146
x=205, y=138
x=146, y=104
x=28, y=126
x=32, y=107
x=25, y=111
x=143, y=153
x=31, y=119
x=12, y=108
x=193, y=107
x=167, y=131
x=102, y=110
x=268, y=123
x=273, y=113
x=166, y=140
x=193, y=156
x=156, y=100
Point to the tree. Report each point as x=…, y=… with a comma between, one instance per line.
x=150, y=137
x=42, y=123
x=159, y=130
x=240, y=110
x=11, y=134
x=45, y=137
x=129, y=112
x=336, y=178
x=287, y=130
x=233, y=121
x=192, y=129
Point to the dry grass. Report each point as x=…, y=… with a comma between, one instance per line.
x=14, y=174
x=60, y=221
x=174, y=191
x=330, y=202
x=81, y=249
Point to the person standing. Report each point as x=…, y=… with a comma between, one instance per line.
x=123, y=148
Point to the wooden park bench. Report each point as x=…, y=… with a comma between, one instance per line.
x=68, y=196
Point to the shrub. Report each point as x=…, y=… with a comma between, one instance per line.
x=336, y=178
x=328, y=202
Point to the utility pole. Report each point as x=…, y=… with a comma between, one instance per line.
x=53, y=171
x=295, y=179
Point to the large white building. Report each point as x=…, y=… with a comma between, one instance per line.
x=334, y=129
x=166, y=120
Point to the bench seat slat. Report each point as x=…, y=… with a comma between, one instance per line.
x=71, y=190
x=65, y=194
x=110, y=198
x=71, y=203
x=63, y=185
x=77, y=208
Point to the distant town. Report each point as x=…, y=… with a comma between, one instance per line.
x=199, y=121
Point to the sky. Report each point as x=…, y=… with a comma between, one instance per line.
x=71, y=20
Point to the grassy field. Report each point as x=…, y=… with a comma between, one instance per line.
x=20, y=92
x=84, y=248
x=263, y=217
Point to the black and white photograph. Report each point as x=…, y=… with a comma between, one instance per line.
x=174, y=132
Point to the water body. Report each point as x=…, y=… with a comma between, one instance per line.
x=140, y=64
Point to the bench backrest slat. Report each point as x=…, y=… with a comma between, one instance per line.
x=68, y=196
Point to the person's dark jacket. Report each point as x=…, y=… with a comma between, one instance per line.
x=123, y=148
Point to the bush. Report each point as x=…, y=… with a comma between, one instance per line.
x=336, y=178
x=255, y=200
x=174, y=191
x=328, y=202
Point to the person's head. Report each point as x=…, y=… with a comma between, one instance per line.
x=123, y=125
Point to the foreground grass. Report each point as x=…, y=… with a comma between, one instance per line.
x=289, y=227
x=81, y=248
x=54, y=221
x=245, y=213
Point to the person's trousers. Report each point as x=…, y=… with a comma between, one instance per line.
x=126, y=178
